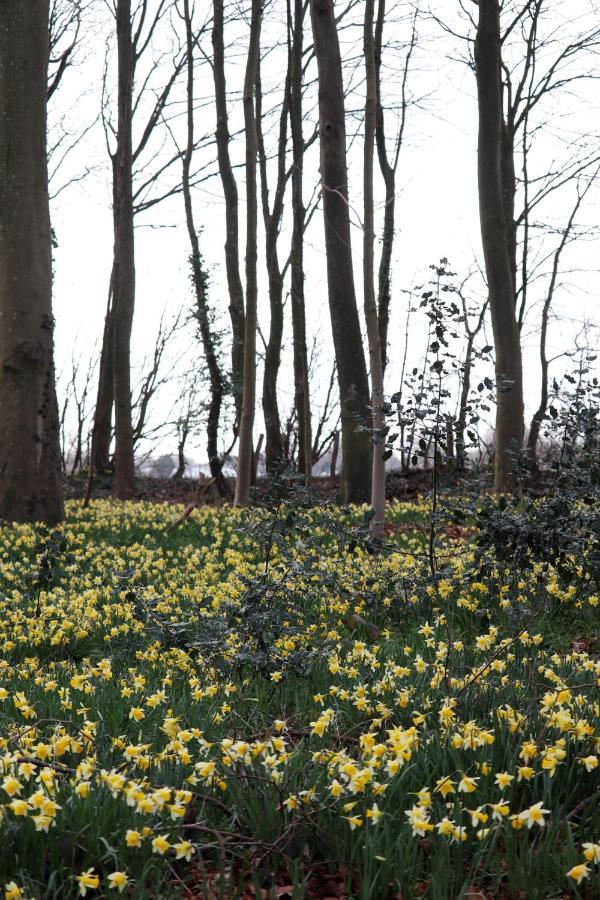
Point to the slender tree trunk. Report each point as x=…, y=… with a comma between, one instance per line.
x=335, y=449
x=540, y=413
x=102, y=427
x=30, y=467
x=180, y=471
x=371, y=317
x=256, y=460
x=124, y=258
x=538, y=416
x=495, y=233
x=274, y=456
x=232, y=264
x=274, y=450
x=349, y=352
x=404, y=457
x=467, y=368
x=461, y=420
x=244, y=473
x=301, y=384
x=384, y=293
x=450, y=428
x=388, y=165
x=199, y=279
x=388, y=173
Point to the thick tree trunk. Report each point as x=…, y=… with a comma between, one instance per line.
x=497, y=247
x=371, y=317
x=230, y=193
x=124, y=258
x=349, y=352
x=244, y=472
x=509, y=190
x=30, y=468
x=199, y=279
x=301, y=384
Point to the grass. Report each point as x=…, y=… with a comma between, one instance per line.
x=177, y=719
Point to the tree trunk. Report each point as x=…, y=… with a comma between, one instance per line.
x=301, y=384
x=274, y=449
x=349, y=352
x=335, y=449
x=199, y=279
x=371, y=317
x=450, y=426
x=404, y=457
x=540, y=413
x=461, y=421
x=388, y=173
x=274, y=456
x=102, y=427
x=180, y=470
x=509, y=190
x=497, y=248
x=256, y=460
x=244, y=473
x=232, y=264
x=30, y=473
x=124, y=258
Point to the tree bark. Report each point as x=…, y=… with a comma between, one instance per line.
x=388, y=173
x=180, y=470
x=30, y=467
x=461, y=420
x=232, y=264
x=509, y=190
x=460, y=425
x=274, y=449
x=102, y=427
x=540, y=413
x=335, y=449
x=349, y=352
x=244, y=472
x=497, y=248
x=301, y=384
x=370, y=303
x=124, y=257
x=199, y=279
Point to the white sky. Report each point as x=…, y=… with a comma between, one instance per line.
x=437, y=212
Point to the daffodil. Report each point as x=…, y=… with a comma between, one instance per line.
x=133, y=838
x=579, y=872
x=535, y=815
x=160, y=844
x=184, y=850
x=117, y=881
x=87, y=881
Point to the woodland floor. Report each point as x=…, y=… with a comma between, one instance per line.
x=254, y=704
